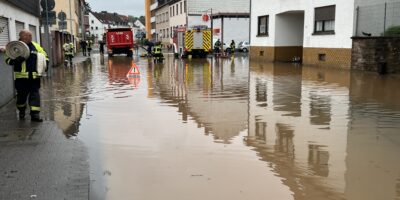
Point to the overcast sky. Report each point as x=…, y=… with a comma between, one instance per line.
x=125, y=7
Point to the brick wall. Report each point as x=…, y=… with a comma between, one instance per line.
x=327, y=57
x=263, y=54
x=369, y=52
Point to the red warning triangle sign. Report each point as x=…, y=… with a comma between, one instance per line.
x=134, y=71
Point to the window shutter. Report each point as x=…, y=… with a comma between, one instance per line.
x=325, y=13
x=4, y=34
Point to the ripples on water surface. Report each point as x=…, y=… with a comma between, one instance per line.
x=231, y=129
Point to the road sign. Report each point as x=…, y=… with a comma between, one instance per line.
x=50, y=4
x=62, y=16
x=62, y=25
x=51, y=16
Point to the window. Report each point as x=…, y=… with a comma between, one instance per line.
x=181, y=8
x=184, y=6
x=173, y=10
x=97, y=28
x=170, y=11
x=167, y=16
x=263, y=25
x=92, y=21
x=177, y=9
x=91, y=28
x=324, y=20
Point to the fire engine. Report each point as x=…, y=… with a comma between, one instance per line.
x=194, y=41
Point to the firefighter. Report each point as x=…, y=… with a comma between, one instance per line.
x=89, y=46
x=157, y=51
x=233, y=46
x=27, y=81
x=83, y=44
x=217, y=46
x=68, y=51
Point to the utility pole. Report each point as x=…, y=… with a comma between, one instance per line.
x=70, y=20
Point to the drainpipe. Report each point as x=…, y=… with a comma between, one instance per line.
x=250, y=24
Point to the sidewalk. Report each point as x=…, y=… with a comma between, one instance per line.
x=37, y=161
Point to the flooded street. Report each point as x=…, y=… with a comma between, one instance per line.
x=230, y=129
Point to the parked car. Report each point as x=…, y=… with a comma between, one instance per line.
x=244, y=46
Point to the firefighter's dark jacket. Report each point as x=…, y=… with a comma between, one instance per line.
x=27, y=69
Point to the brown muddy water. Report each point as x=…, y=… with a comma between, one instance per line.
x=231, y=129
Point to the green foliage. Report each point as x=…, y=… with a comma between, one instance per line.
x=393, y=31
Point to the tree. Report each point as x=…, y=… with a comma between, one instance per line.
x=132, y=18
x=393, y=31
x=142, y=20
x=87, y=8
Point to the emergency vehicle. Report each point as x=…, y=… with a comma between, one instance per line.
x=119, y=40
x=194, y=41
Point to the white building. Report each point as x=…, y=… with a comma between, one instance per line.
x=139, y=25
x=177, y=15
x=230, y=18
x=97, y=27
x=13, y=18
x=319, y=32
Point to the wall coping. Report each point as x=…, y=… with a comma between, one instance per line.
x=374, y=37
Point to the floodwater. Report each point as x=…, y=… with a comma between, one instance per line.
x=230, y=129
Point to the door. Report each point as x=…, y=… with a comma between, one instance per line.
x=198, y=40
x=4, y=33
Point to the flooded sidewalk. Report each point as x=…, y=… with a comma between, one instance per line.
x=230, y=129
x=37, y=161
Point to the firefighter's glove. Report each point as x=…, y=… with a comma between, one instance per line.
x=19, y=60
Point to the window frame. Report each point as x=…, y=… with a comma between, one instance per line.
x=266, y=34
x=322, y=23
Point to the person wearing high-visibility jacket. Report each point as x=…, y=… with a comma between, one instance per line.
x=27, y=80
x=157, y=51
x=69, y=51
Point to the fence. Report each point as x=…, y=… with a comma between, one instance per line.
x=378, y=20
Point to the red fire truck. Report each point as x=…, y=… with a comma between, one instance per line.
x=120, y=40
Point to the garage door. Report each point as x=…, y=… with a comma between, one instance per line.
x=19, y=26
x=4, y=33
x=32, y=29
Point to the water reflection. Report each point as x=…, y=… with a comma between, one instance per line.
x=329, y=134
x=65, y=97
x=205, y=93
x=324, y=134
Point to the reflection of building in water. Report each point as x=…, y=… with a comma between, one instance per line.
x=287, y=89
x=71, y=89
x=208, y=92
x=289, y=110
x=320, y=109
x=373, y=161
